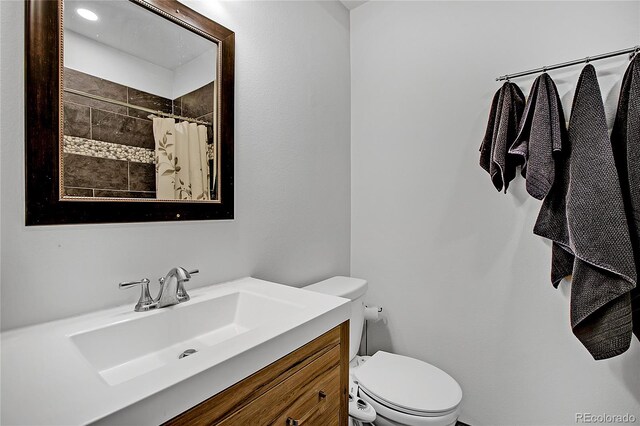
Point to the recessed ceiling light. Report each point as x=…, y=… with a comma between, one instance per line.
x=87, y=14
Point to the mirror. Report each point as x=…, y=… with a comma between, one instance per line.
x=138, y=117
x=140, y=123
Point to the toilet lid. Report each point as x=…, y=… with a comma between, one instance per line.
x=408, y=384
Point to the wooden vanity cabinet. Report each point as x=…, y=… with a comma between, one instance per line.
x=307, y=387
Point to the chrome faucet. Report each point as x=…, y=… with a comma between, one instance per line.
x=171, y=292
x=172, y=289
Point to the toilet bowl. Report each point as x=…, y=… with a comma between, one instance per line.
x=407, y=391
x=401, y=389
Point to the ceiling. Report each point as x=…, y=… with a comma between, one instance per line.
x=352, y=4
x=132, y=29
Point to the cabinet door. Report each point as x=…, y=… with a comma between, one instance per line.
x=304, y=396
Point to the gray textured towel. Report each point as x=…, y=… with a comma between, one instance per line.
x=584, y=215
x=625, y=141
x=541, y=136
x=502, y=128
x=487, y=141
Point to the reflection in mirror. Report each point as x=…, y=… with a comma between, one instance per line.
x=140, y=106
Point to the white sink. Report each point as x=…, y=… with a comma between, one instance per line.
x=127, y=349
x=118, y=366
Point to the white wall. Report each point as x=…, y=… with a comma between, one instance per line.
x=84, y=54
x=87, y=55
x=463, y=280
x=291, y=180
x=190, y=76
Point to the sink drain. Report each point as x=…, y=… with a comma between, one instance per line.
x=187, y=353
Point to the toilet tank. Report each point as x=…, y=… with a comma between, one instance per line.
x=349, y=288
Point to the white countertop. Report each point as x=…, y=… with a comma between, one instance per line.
x=47, y=381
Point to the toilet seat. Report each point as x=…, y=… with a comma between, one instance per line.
x=398, y=409
x=407, y=385
x=389, y=417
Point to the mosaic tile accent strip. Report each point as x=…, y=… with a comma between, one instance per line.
x=94, y=148
x=114, y=151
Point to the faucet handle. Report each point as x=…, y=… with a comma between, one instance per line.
x=129, y=284
x=146, y=301
x=182, y=294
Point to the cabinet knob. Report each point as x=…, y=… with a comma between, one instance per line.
x=292, y=422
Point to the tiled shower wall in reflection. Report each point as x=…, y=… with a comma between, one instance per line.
x=109, y=149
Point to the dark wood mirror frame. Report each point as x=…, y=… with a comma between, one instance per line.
x=43, y=47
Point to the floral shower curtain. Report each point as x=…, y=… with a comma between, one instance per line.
x=182, y=171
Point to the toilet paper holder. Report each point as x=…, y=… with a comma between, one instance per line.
x=372, y=313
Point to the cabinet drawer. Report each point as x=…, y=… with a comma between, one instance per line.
x=309, y=396
x=323, y=418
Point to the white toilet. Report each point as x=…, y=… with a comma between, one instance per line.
x=402, y=390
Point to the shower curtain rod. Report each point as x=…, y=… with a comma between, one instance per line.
x=632, y=51
x=128, y=105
